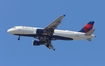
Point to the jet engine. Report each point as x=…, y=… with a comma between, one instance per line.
x=36, y=43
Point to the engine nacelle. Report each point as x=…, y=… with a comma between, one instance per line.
x=36, y=43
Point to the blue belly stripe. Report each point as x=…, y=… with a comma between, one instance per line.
x=54, y=36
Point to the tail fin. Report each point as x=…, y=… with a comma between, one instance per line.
x=87, y=27
x=89, y=33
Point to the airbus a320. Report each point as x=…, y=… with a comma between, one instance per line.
x=46, y=35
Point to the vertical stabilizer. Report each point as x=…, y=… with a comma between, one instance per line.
x=87, y=27
x=89, y=33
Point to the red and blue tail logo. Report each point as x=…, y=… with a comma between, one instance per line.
x=87, y=27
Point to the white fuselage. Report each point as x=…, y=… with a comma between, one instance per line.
x=24, y=30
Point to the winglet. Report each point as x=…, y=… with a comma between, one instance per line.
x=64, y=15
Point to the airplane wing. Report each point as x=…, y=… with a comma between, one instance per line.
x=50, y=28
x=49, y=45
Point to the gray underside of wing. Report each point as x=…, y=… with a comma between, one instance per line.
x=55, y=23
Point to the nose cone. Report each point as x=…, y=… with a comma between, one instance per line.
x=10, y=31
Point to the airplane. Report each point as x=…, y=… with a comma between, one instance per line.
x=50, y=33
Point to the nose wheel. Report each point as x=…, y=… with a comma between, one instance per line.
x=19, y=38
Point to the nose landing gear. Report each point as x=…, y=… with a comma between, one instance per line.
x=19, y=38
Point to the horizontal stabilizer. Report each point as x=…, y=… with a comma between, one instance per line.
x=90, y=32
x=89, y=39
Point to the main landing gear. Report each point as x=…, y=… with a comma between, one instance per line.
x=19, y=38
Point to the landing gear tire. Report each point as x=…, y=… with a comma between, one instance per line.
x=47, y=45
x=19, y=38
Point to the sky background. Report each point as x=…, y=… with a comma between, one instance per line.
x=40, y=13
